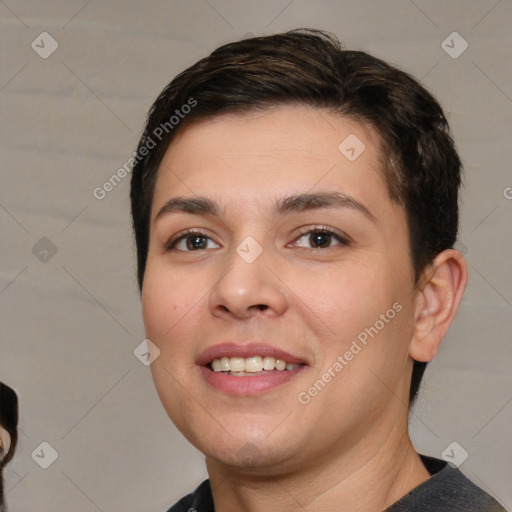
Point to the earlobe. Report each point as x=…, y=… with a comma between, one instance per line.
x=438, y=299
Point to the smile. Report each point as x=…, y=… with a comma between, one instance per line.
x=250, y=369
x=250, y=366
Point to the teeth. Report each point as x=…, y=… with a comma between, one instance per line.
x=237, y=364
x=250, y=365
x=280, y=364
x=269, y=363
x=253, y=364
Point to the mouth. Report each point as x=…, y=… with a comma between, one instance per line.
x=248, y=369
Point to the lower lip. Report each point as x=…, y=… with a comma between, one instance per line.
x=248, y=385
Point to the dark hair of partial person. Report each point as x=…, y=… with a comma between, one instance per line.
x=420, y=164
x=9, y=422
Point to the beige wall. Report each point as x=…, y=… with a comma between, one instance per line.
x=71, y=320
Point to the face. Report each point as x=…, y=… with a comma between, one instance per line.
x=5, y=442
x=271, y=245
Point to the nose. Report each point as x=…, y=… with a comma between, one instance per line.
x=248, y=289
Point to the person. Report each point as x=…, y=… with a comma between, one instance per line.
x=8, y=432
x=295, y=210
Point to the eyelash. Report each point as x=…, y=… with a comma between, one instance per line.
x=171, y=244
x=343, y=240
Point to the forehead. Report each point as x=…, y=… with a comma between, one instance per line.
x=259, y=156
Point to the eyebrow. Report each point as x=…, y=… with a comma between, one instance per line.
x=304, y=202
x=283, y=206
x=194, y=205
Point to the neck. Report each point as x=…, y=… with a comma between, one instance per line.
x=365, y=478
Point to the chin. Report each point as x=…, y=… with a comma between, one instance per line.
x=243, y=446
x=250, y=455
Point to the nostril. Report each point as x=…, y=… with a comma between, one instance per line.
x=241, y=311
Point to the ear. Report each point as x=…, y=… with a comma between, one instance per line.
x=441, y=289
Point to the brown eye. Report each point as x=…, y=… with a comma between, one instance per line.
x=196, y=242
x=320, y=239
x=192, y=241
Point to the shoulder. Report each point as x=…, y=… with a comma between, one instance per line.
x=446, y=490
x=198, y=501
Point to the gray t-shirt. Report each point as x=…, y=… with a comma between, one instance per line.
x=447, y=490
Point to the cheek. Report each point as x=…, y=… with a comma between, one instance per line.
x=170, y=308
x=344, y=300
x=170, y=302
x=355, y=311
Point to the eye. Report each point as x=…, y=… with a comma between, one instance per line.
x=191, y=241
x=320, y=238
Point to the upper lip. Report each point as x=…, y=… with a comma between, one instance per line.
x=246, y=350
